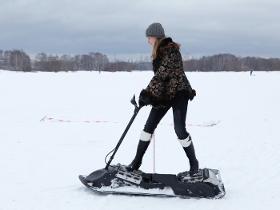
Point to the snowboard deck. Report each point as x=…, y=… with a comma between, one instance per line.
x=116, y=180
x=109, y=191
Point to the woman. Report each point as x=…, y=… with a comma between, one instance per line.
x=168, y=88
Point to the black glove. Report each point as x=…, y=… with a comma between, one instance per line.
x=193, y=94
x=144, y=99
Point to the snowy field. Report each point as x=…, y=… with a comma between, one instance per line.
x=55, y=126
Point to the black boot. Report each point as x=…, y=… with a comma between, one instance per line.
x=141, y=149
x=194, y=165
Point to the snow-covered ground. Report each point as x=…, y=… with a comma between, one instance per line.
x=55, y=126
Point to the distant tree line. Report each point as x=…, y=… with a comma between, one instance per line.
x=18, y=60
x=229, y=62
x=87, y=62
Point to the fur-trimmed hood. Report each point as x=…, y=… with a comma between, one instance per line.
x=167, y=43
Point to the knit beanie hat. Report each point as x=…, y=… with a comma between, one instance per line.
x=155, y=30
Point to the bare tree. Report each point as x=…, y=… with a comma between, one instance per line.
x=19, y=61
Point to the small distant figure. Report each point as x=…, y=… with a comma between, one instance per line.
x=251, y=72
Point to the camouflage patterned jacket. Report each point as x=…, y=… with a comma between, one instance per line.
x=169, y=76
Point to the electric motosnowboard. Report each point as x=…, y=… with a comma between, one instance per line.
x=117, y=179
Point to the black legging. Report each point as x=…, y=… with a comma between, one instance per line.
x=179, y=105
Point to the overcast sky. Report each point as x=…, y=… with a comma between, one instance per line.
x=202, y=27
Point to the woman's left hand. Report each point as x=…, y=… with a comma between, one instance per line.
x=144, y=99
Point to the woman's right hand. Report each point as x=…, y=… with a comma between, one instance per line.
x=193, y=94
